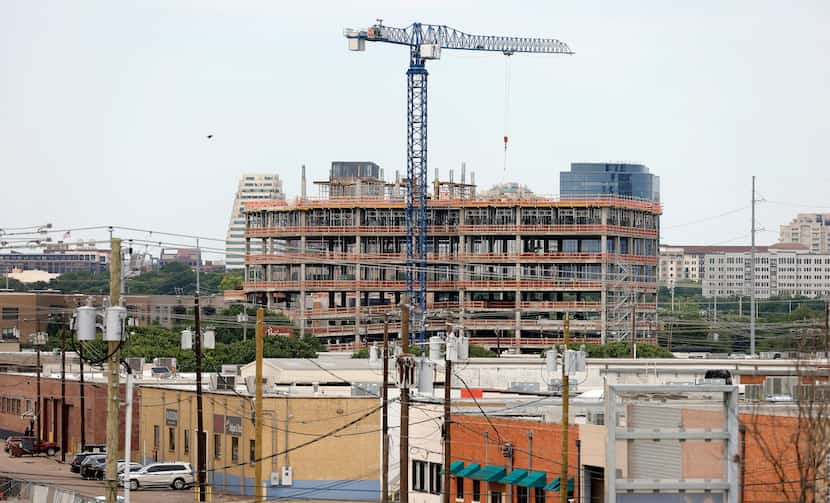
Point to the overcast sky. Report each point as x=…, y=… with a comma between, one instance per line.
x=104, y=106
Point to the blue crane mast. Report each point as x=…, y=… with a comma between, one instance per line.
x=425, y=42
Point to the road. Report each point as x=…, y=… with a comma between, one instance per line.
x=50, y=471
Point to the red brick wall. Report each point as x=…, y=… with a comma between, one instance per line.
x=762, y=483
x=469, y=446
x=24, y=387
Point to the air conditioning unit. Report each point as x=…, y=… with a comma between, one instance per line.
x=250, y=384
x=136, y=365
x=165, y=362
x=230, y=370
x=754, y=392
x=780, y=386
x=225, y=383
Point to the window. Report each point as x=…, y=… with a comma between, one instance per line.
x=419, y=472
x=253, y=451
x=234, y=449
x=521, y=494
x=476, y=491
x=435, y=478
x=10, y=313
x=171, y=439
x=459, y=488
x=495, y=497
x=156, y=437
x=539, y=495
x=217, y=446
x=9, y=333
x=186, y=441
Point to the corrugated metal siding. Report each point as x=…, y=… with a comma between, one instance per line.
x=648, y=459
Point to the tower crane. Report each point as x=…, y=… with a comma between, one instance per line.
x=425, y=42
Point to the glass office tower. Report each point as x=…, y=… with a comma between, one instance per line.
x=596, y=178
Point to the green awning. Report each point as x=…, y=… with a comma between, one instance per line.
x=490, y=473
x=513, y=477
x=554, y=485
x=467, y=470
x=533, y=479
x=455, y=467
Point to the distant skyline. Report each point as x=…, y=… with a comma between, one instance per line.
x=108, y=105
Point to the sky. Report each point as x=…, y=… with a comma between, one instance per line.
x=105, y=106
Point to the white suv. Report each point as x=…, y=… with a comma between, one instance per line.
x=175, y=475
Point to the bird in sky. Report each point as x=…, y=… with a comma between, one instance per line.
x=209, y=137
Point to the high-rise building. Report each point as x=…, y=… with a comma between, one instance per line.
x=781, y=270
x=810, y=229
x=252, y=187
x=510, y=268
x=598, y=179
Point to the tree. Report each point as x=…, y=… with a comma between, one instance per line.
x=231, y=281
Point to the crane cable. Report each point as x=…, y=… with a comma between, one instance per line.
x=506, y=106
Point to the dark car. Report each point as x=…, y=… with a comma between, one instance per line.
x=100, y=468
x=88, y=465
x=75, y=465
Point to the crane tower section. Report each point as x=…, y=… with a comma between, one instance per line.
x=425, y=42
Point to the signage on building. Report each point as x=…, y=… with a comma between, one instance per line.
x=171, y=417
x=233, y=425
x=279, y=331
x=218, y=423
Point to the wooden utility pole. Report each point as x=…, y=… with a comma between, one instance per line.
x=405, y=361
x=447, y=422
x=260, y=328
x=113, y=365
x=384, y=484
x=563, y=477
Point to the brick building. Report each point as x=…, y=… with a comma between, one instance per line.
x=61, y=424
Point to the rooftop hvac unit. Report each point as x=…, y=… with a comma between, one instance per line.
x=136, y=365
x=225, y=383
x=250, y=383
x=780, y=386
x=230, y=370
x=165, y=362
x=754, y=392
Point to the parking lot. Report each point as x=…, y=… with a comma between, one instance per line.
x=50, y=471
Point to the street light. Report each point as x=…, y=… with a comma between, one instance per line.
x=38, y=339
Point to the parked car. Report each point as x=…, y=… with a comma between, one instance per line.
x=175, y=475
x=99, y=469
x=77, y=459
x=88, y=465
x=31, y=446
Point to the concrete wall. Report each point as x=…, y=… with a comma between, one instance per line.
x=342, y=466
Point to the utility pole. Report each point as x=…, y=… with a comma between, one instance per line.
x=563, y=477
x=38, y=407
x=113, y=366
x=826, y=328
x=752, y=278
x=201, y=455
x=405, y=362
x=384, y=484
x=447, y=390
x=633, y=326
x=64, y=422
x=128, y=433
x=81, y=393
x=258, y=488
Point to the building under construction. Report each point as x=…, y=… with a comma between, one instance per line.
x=509, y=269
